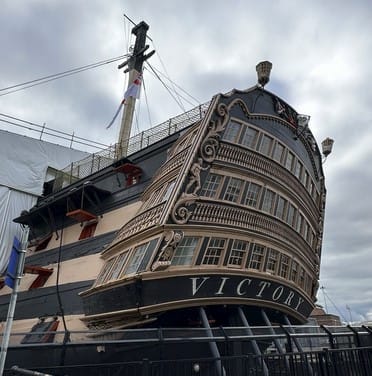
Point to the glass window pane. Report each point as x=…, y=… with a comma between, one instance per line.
x=232, y=131
x=291, y=214
x=268, y=201
x=105, y=271
x=211, y=185
x=300, y=220
x=311, y=186
x=305, y=229
x=184, y=252
x=118, y=267
x=272, y=260
x=298, y=169
x=301, y=280
x=135, y=262
x=308, y=283
x=289, y=161
x=169, y=190
x=233, y=190
x=265, y=146
x=294, y=271
x=252, y=195
x=237, y=253
x=257, y=257
x=278, y=152
x=280, y=207
x=250, y=137
x=284, y=266
x=214, y=251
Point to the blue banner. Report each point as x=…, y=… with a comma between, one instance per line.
x=11, y=273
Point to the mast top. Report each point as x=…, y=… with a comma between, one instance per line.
x=135, y=64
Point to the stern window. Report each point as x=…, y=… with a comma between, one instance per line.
x=184, y=252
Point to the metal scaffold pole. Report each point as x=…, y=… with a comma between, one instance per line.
x=13, y=299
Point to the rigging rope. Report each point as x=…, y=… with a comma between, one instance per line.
x=334, y=305
x=56, y=76
x=167, y=88
x=197, y=102
x=165, y=70
x=147, y=103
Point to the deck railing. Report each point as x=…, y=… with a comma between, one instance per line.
x=106, y=157
x=345, y=362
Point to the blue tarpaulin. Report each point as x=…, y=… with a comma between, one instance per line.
x=11, y=273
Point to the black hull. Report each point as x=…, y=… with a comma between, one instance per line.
x=146, y=297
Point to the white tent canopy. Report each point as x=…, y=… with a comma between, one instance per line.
x=23, y=165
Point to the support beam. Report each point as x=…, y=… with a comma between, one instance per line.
x=213, y=346
x=298, y=345
x=256, y=349
x=275, y=340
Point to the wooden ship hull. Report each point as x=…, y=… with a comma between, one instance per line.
x=218, y=223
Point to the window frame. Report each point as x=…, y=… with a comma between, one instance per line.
x=274, y=154
x=254, y=139
x=240, y=254
x=88, y=229
x=230, y=187
x=118, y=266
x=252, y=257
x=134, y=260
x=292, y=159
x=207, y=184
x=292, y=215
x=266, y=148
x=210, y=255
x=188, y=257
x=249, y=197
x=101, y=278
x=284, y=272
x=281, y=205
x=293, y=275
x=234, y=135
x=272, y=201
x=269, y=259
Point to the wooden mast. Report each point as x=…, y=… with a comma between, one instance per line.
x=135, y=64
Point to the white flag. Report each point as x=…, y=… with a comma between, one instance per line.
x=134, y=88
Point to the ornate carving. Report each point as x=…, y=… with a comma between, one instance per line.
x=210, y=144
x=171, y=239
x=286, y=112
x=181, y=212
x=208, y=149
x=194, y=176
x=139, y=223
x=322, y=202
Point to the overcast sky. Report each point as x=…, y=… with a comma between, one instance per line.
x=320, y=52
